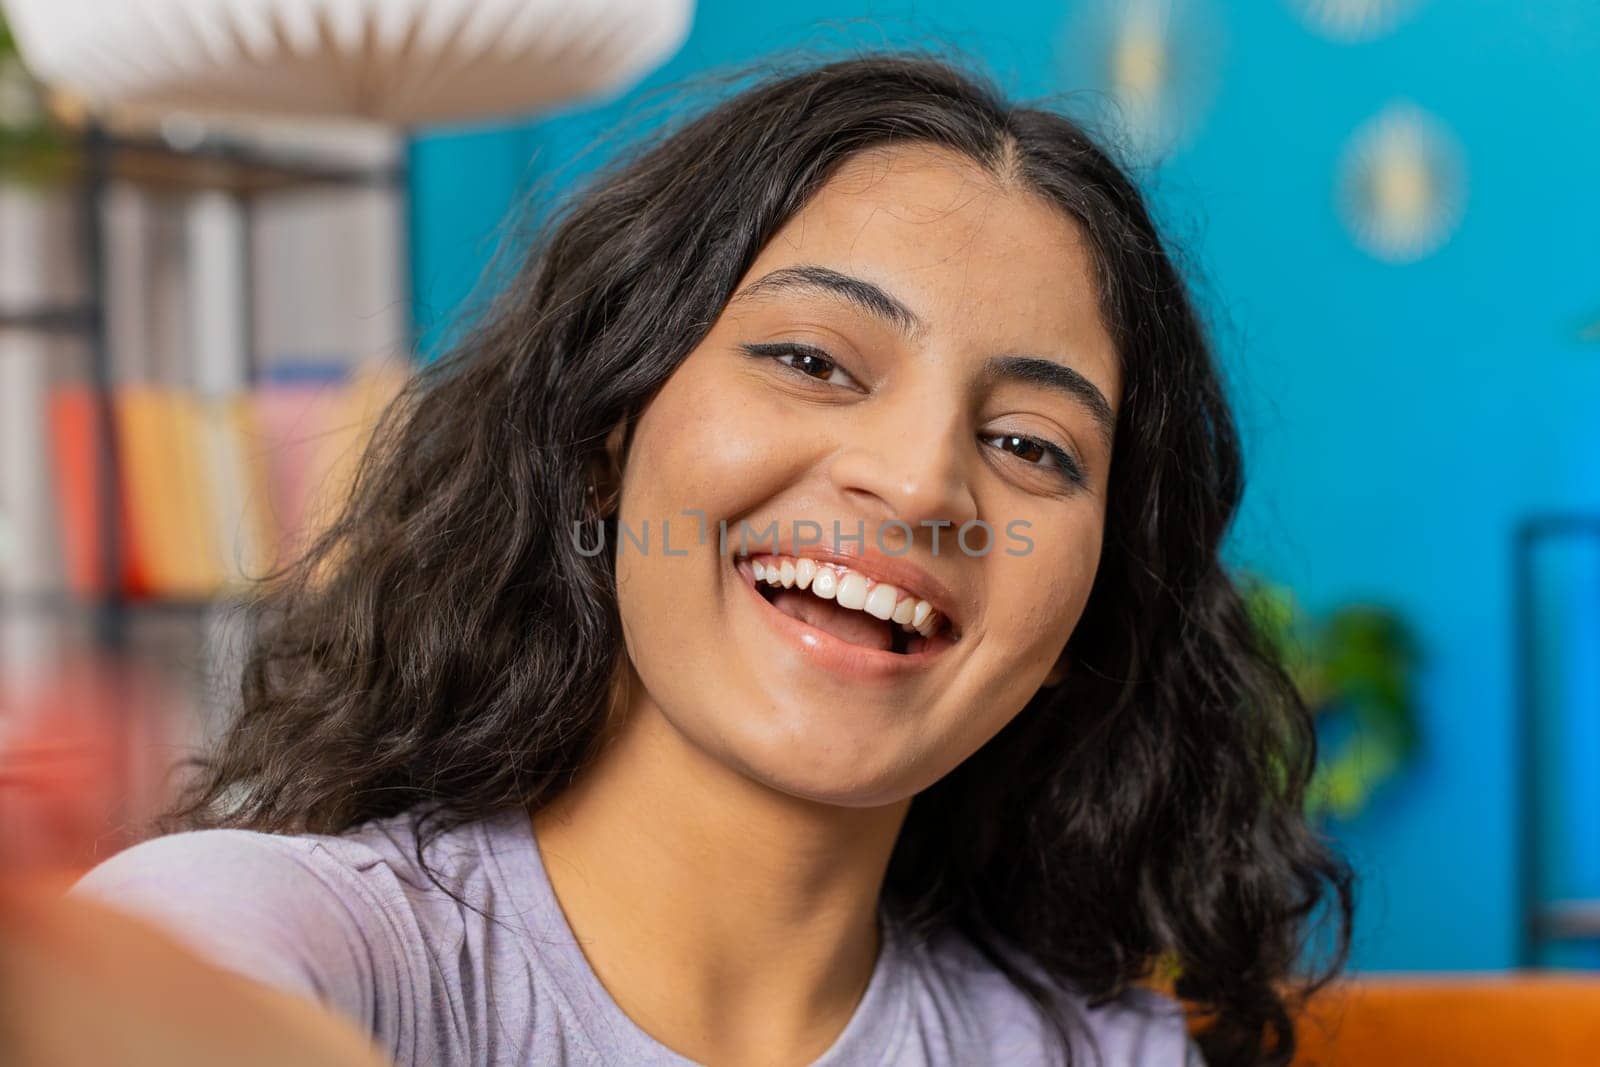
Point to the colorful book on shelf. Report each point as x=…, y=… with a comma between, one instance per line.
x=313, y=434
x=216, y=492
x=351, y=421
x=77, y=447
x=161, y=442
x=244, y=530
x=289, y=419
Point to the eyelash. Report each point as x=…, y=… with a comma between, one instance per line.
x=1068, y=466
x=776, y=351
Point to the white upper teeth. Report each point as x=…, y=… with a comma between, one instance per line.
x=850, y=590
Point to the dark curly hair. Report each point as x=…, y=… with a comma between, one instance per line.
x=445, y=648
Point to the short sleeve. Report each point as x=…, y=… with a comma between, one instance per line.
x=256, y=904
x=1191, y=1054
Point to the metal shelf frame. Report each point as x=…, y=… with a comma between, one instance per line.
x=1541, y=922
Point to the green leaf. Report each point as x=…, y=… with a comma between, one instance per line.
x=1358, y=666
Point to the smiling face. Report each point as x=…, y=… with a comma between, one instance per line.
x=920, y=343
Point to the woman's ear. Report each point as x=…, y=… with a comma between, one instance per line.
x=606, y=475
x=617, y=445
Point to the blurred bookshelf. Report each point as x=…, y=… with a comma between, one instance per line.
x=198, y=326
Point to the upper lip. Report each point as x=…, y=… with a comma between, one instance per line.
x=869, y=561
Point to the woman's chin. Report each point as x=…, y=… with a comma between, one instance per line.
x=835, y=790
x=844, y=767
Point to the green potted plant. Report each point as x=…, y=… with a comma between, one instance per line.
x=1355, y=669
x=30, y=142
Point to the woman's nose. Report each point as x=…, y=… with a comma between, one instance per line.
x=909, y=461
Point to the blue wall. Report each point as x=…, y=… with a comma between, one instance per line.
x=1399, y=418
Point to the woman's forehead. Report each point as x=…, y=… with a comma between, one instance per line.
x=976, y=261
x=931, y=218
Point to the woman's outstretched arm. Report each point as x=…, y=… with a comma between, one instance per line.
x=84, y=984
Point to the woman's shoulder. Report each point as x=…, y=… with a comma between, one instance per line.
x=304, y=866
x=335, y=916
x=215, y=864
x=959, y=981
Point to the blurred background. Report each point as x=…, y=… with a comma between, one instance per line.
x=227, y=234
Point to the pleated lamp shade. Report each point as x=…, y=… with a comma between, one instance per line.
x=402, y=61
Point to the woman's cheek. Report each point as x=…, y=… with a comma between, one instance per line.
x=1046, y=589
x=728, y=456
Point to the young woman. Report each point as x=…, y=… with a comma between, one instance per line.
x=789, y=630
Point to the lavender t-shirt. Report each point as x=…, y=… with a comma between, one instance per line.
x=351, y=920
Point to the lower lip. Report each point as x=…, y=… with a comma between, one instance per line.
x=832, y=654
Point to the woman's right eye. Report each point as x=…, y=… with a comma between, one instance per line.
x=809, y=362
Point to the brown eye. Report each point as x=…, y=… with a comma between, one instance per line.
x=810, y=362
x=1040, y=453
x=1025, y=447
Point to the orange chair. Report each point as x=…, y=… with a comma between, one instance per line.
x=1544, y=1018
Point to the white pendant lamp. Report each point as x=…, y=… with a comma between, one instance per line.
x=402, y=61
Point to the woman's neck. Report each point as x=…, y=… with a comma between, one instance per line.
x=734, y=923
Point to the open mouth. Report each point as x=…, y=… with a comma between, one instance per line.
x=853, y=627
x=859, y=612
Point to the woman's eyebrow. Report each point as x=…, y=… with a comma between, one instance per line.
x=1058, y=377
x=1025, y=370
x=858, y=291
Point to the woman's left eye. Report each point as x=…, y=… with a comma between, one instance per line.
x=1032, y=450
x=811, y=362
